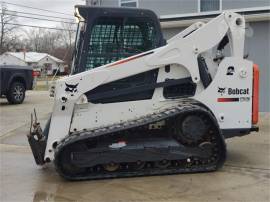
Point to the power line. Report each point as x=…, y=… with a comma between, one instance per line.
x=20, y=5
x=54, y=28
x=35, y=18
x=50, y=16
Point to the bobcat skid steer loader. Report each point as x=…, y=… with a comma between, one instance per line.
x=137, y=105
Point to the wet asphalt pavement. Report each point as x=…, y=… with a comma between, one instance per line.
x=244, y=177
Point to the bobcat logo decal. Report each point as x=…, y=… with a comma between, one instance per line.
x=71, y=88
x=221, y=90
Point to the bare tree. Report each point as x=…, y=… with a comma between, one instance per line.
x=67, y=40
x=51, y=40
x=7, y=36
x=42, y=40
x=34, y=39
x=68, y=34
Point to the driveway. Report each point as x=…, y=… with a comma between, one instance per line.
x=244, y=177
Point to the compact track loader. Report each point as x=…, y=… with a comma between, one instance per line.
x=137, y=105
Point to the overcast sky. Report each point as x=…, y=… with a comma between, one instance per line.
x=63, y=6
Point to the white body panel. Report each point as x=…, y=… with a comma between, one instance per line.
x=181, y=53
x=235, y=114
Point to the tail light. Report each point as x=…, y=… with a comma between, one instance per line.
x=255, y=96
x=35, y=73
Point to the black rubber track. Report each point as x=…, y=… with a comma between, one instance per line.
x=186, y=107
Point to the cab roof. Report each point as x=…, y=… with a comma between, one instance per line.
x=92, y=11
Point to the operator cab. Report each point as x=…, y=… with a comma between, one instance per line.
x=105, y=35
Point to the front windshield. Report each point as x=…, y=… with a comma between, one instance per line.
x=108, y=39
x=115, y=38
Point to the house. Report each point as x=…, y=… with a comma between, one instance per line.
x=39, y=61
x=176, y=15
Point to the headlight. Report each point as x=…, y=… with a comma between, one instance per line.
x=52, y=90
